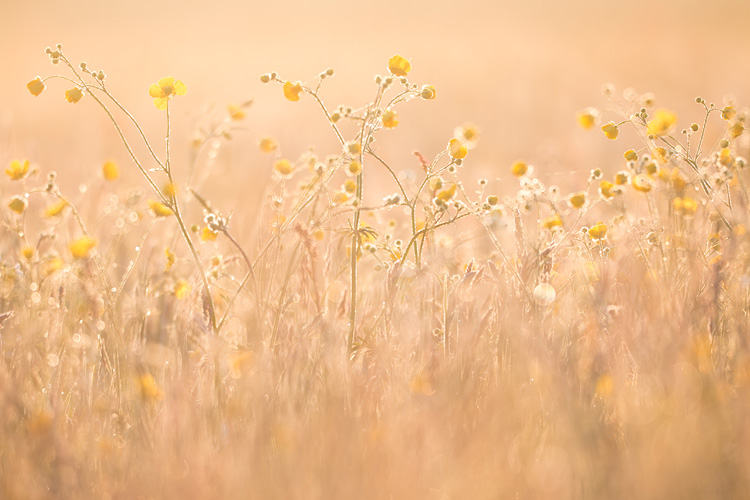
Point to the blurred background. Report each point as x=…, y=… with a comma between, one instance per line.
x=518, y=70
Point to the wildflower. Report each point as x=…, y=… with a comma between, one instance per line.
x=399, y=66
x=447, y=194
x=436, y=183
x=457, y=150
x=544, y=294
x=390, y=119
x=587, y=118
x=52, y=264
x=519, y=168
x=605, y=189
x=350, y=186
x=81, y=247
x=725, y=157
x=292, y=90
x=148, y=388
x=73, y=95
x=622, y=177
x=18, y=170
x=267, y=145
x=428, y=92
x=630, y=155
x=110, y=170
x=661, y=154
x=552, y=221
x=169, y=190
x=208, y=235
x=319, y=234
x=727, y=113
x=598, y=231
x=236, y=113
x=610, y=130
x=354, y=148
x=170, y=259
x=55, y=208
x=492, y=200
x=164, y=89
x=642, y=183
x=736, y=129
x=577, y=200
x=181, y=289
x=159, y=209
x=685, y=206
x=36, y=86
x=18, y=204
x=283, y=167
x=354, y=168
x=468, y=134
x=27, y=252
x=662, y=123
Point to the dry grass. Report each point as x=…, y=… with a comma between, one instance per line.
x=456, y=339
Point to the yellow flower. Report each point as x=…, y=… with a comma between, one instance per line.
x=519, y=168
x=457, y=150
x=685, y=206
x=350, y=186
x=81, y=247
x=587, y=118
x=630, y=155
x=678, y=181
x=27, y=252
x=390, y=119
x=354, y=168
x=428, y=92
x=610, y=130
x=148, y=388
x=55, y=208
x=621, y=177
x=468, y=134
x=293, y=90
x=181, y=289
x=662, y=123
x=283, y=167
x=159, y=209
x=319, y=234
x=727, y=113
x=110, y=170
x=208, y=235
x=552, y=221
x=725, y=157
x=736, y=129
x=18, y=204
x=605, y=188
x=18, y=170
x=399, y=66
x=236, y=113
x=354, y=148
x=577, y=200
x=170, y=259
x=642, y=183
x=36, y=86
x=52, y=265
x=447, y=194
x=267, y=145
x=73, y=95
x=661, y=154
x=598, y=231
x=164, y=89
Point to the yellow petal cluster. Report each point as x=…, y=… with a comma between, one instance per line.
x=164, y=89
x=399, y=66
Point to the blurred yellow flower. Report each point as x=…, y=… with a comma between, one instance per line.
x=662, y=123
x=519, y=168
x=73, y=95
x=630, y=155
x=236, y=113
x=350, y=186
x=55, y=208
x=428, y=92
x=399, y=66
x=447, y=194
x=52, y=265
x=736, y=129
x=18, y=204
x=685, y=206
x=267, y=145
x=110, y=170
x=577, y=200
x=390, y=119
x=27, y=252
x=170, y=259
x=622, y=177
x=611, y=130
x=208, y=235
x=605, y=189
x=81, y=247
x=598, y=231
x=587, y=118
x=457, y=150
x=18, y=170
x=159, y=209
x=552, y=221
x=181, y=289
x=36, y=86
x=727, y=113
x=164, y=89
x=293, y=90
x=642, y=183
x=283, y=167
x=149, y=390
x=354, y=168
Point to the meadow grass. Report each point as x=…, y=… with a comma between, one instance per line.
x=381, y=331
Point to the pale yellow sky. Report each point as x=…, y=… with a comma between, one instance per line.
x=519, y=71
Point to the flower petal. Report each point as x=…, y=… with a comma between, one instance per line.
x=161, y=103
x=180, y=88
x=155, y=91
x=167, y=81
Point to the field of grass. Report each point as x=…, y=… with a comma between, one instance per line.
x=363, y=318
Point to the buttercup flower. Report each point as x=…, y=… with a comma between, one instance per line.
x=56, y=208
x=159, y=209
x=110, y=170
x=283, y=167
x=428, y=92
x=36, y=86
x=587, y=118
x=662, y=123
x=18, y=204
x=399, y=66
x=598, y=231
x=611, y=130
x=293, y=90
x=457, y=149
x=519, y=168
x=577, y=200
x=390, y=119
x=81, y=247
x=73, y=95
x=18, y=170
x=164, y=89
x=267, y=145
